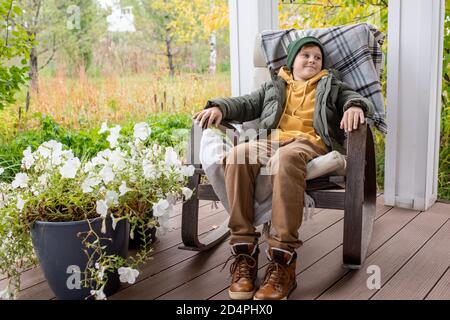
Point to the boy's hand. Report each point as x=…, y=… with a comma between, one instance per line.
x=208, y=117
x=351, y=119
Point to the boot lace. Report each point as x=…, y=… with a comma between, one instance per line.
x=275, y=275
x=241, y=266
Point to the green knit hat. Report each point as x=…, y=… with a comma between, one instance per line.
x=295, y=46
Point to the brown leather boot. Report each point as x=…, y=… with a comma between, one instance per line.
x=280, y=279
x=243, y=271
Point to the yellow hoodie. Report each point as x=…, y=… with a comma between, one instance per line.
x=297, y=118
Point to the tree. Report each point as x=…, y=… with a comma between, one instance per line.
x=85, y=24
x=58, y=26
x=14, y=52
x=303, y=14
x=179, y=22
x=216, y=19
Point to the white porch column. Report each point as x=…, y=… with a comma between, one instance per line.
x=414, y=77
x=247, y=18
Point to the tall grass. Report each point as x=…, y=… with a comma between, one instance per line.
x=83, y=102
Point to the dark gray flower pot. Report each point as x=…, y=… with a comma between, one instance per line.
x=59, y=249
x=137, y=241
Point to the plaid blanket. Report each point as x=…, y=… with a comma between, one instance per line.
x=353, y=50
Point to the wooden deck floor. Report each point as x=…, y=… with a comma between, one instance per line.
x=411, y=248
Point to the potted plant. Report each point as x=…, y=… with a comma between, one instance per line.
x=75, y=216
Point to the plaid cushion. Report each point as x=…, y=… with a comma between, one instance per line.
x=353, y=50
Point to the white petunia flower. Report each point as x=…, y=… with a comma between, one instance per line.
x=149, y=170
x=171, y=157
x=87, y=184
x=114, y=221
x=28, y=159
x=188, y=171
x=44, y=152
x=56, y=158
x=20, y=203
x=53, y=145
x=114, y=136
x=171, y=198
x=187, y=193
x=107, y=174
x=128, y=275
x=162, y=207
x=163, y=225
x=101, y=271
x=49, y=149
x=88, y=167
x=67, y=154
x=111, y=198
x=123, y=189
x=131, y=234
x=104, y=128
x=5, y=294
x=20, y=181
x=102, y=208
x=113, y=140
x=117, y=160
x=42, y=179
x=141, y=131
x=98, y=294
x=70, y=168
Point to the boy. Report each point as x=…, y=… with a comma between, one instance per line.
x=305, y=109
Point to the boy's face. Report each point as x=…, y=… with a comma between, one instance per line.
x=307, y=63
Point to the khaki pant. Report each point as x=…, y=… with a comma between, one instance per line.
x=287, y=167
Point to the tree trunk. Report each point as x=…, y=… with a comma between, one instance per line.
x=169, y=54
x=34, y=75
x=212, y=53
x=27, y=102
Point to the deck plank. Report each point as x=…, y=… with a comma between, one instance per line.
x=441, y=290
x=390, y=257
x=323, y=274
x=428, y=265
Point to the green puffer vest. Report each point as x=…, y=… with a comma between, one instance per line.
x=333, y=98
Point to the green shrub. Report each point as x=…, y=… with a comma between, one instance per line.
x=84, y=144
x=444, y=152
x=169, y=130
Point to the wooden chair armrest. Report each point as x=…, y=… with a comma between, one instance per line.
x=357, y=140
x=360, y=196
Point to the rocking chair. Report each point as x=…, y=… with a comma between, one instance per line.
x=354, y=192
